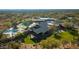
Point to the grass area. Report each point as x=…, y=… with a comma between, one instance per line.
x=66, y=35
x=63, y=36
x=53, y=42
x=28, y=40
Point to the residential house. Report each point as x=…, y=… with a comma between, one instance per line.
x=21, y=27
x=41, y=25
x=10, y=32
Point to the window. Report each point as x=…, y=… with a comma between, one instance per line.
x=37, y=26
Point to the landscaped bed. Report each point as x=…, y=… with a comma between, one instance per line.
x=28, y=40
x=56, y=41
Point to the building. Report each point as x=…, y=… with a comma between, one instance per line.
x=37, y=26
x=21, y=27
x=10, y=32
x=50, y=21
x=41, y=25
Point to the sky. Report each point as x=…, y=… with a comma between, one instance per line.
x=39, y=4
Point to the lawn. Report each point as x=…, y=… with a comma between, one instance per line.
x=66, y=35
x=63, y=36
x=53, y=42
x=28, y=40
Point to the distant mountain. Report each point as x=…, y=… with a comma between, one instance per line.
x=36, y=10
x=23, y=10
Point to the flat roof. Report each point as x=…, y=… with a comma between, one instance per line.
x=43, y=19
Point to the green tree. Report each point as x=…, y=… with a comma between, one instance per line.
x=14, y=45
x=9, y=24
x=50, y=43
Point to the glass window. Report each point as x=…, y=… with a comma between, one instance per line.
x=37, y=26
